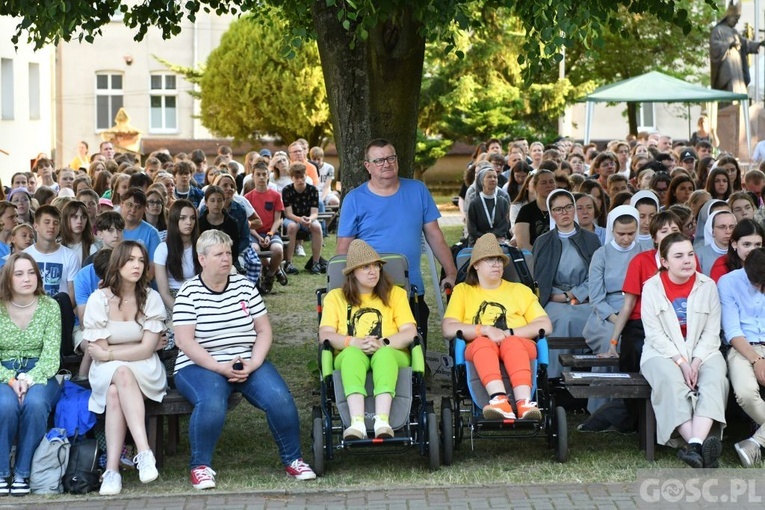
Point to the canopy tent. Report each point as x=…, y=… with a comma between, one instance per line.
x=656, y=87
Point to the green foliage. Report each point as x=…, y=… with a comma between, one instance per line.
x=248, y=87
x=428, y=150
x=644, y=42
x=477, y=91
x=546, y=26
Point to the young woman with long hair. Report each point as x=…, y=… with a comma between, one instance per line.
x=77, y=231
x=176, y=260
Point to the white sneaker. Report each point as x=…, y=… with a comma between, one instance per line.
x=111, y=483
x=383, y=429
x=147, y=466
x=355, y=431
x=299, y=251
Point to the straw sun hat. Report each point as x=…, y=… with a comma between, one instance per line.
x=360, y=254
x=486, y=247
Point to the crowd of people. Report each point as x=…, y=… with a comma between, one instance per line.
x=117, y=261
x=120, y=261
x=634, y=248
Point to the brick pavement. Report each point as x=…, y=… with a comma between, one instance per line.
x=537, y=497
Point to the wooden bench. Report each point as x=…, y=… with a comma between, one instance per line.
x=173, y=406
x=618, y=385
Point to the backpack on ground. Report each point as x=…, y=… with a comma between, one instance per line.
x=82, y=473
x=49, y=463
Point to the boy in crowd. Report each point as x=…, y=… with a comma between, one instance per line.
x=616, y=184
x=301, y=210
x=44, y=170
x=269, y=206
x=182, y=172
x=58, y=264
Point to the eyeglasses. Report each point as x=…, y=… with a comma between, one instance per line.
x=565, y=208
x=494, y=261
x=154, y=203
x=381, y=161
x=607, y=164
x=725, y=227
x=132, y=205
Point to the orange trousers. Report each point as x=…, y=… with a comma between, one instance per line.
x=515, y=353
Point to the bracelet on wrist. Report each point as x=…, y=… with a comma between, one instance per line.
x=758, y=359
x=348, y=341
x=614, y=342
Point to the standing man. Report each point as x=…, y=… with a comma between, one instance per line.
x=391, y=214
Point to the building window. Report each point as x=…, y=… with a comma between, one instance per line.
x=163, y=103
x=34, y=91
x=646, y=117
x=109, y=98
x=6, y=89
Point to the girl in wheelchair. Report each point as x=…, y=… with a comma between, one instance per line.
x=369, y=324
x=498, y=319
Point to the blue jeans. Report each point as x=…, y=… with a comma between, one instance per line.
x=26, y=423
x=209, y=392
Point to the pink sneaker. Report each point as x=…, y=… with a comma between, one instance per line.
x=300, y=470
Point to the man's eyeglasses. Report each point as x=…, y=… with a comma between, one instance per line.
x=381, y=161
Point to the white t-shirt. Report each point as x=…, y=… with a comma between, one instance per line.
x=77, y=249
x=57, y=268
x=187, y=262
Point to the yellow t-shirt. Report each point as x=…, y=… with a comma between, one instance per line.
x=371, y=318
x=510, y=305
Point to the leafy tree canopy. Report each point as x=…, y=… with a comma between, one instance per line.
x=248, y=88
x=547, y=26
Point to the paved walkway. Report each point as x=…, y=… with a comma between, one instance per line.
x=566, y=496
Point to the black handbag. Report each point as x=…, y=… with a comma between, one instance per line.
x=82, y=473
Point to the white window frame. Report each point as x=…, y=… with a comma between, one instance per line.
x=642, y=126
x=7, y=89
x=163, y=93
x=34, y=91
x=111, y=93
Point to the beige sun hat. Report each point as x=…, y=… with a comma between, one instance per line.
x=360, y=254
x=486, y=247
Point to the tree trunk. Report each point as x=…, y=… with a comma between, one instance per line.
x=373, y=89
x=632, y=118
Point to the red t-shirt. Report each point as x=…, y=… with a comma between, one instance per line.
x=678, y=293
x=265, y=204
x=642, y=267
x=719, y=268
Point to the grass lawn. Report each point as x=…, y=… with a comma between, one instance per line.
x=246, y=456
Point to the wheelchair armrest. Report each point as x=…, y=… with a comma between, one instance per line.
x=459, y=345
x=327, y=359
x=418, y=356
x=543, y=353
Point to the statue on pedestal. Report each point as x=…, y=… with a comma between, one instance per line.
x=728, y=52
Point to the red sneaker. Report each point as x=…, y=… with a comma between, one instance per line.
x=300, y=470
x=528, y=410
x=498, y=409
x=203, y=477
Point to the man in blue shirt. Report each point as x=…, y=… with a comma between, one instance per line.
x=742, y=297
x=391, y=214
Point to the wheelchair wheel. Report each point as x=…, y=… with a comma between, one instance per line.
x=447, y=431
x=434, y=455
x=318, y=442
x=561, y=446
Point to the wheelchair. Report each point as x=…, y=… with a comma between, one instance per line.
x=412, y=416
x=464, y=409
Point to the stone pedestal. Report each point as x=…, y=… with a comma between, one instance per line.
x=731, y=129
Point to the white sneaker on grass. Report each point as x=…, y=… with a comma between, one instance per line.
x=111, y=483
x=147, y=466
